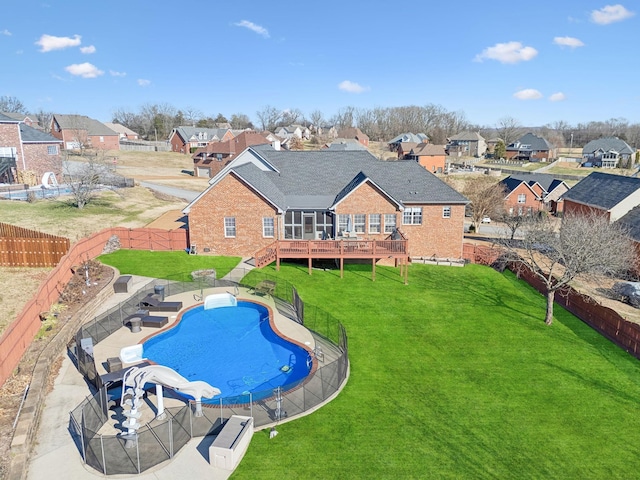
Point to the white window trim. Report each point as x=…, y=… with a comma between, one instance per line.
x=379, y=223
x=522, y=198
x=227, y=227
x=446, y=212
x=413, y=211
x=265, y=227
x=395, y=223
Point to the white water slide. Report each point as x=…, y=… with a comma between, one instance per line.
x=133, y=388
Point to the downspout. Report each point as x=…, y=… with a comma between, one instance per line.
x=24, y=163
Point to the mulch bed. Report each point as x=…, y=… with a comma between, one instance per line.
x=78, y=293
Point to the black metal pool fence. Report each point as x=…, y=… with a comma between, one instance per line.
x=160, y=440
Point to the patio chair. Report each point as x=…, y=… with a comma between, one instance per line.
x=152, y=303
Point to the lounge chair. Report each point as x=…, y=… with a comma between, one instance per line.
x=152, y=303
x=265, y=287
x=155, y=321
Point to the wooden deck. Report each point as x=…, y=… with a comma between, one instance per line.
x=335, y=249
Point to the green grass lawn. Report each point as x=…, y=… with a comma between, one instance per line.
x=456, y=376
x=176, y=265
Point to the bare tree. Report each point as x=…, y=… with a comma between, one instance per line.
x=317, y=119
x=240, y=121
x=269, y=118
x=513, y=224
x=11, y=105
x=584, y=245
x=84, y=175
x=509, y=130
x=486, y=196
x=44, y=119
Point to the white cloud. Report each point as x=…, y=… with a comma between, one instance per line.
x=49, y=42
x=568, y=42
x=84, y=70
x=510, y=52
x=557, y=97
x=253, y=27
x=5, y=32
x=113, y=73
x=528, y=94
x=351, y=87
x=144, y=83
x=89, y=49
x=610, y=14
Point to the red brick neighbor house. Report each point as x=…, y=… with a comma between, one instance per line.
x=26, y=153
x=354, y=133
x=123, y=132
x=529, y=193
x=432, y=157
x=208, y=161
x=530, y=148
x=79, y=132
x=266, y=196
x=187, y=139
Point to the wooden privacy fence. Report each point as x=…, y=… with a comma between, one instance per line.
x=604, y=320
x=18, y=336
x=21, y=247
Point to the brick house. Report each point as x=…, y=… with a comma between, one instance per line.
x=123, y=132
x=432, y=157
x=26, y=153
x=186, y=139
x=528, y=193
x=354, y=133
x=611, y=195
x=266, y=194
x=530, y=148
x=467, y=144
x=607, y=152
x=208, y=161
x=80, y=131
x=395, y=143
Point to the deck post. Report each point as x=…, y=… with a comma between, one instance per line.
x=341, y=267
x=373, y=269
x=406, y=271
x=278, y=263
x=310, y=260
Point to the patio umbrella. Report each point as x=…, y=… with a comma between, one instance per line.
x=349, y=224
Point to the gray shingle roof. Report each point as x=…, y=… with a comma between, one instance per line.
x=6, y=119
x=607, y=144
x=82, y=122
x=409, y=137
x=187, y=132
x=33, y=135
x=603, y=190
x=632, y=222
x=537, y=143
x=317, y=179
x=545, y=180
x=467, y=136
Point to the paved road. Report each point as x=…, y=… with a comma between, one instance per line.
x=188, y=195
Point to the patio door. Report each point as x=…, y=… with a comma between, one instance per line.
x=308, y=226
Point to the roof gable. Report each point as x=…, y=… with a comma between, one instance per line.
x=607, y=144
x=603, y=190
x=82, y=122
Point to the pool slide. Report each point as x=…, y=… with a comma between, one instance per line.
x=133, y=389
x=220, y=300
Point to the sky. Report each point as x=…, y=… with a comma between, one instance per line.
x=536, y=62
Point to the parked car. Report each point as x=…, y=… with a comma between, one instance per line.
x=486, y=220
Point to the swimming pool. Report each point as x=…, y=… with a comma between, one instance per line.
x=231, y=348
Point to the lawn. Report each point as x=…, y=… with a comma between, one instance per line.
x=456, y=376
x=176, y=265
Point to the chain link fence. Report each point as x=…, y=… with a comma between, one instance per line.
x=160, y=440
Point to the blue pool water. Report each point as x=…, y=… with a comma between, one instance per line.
x=231, y=348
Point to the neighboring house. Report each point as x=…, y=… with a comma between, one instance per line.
x=405, y=148
x=466, y=144
x=394, y=144
x=123, y=132
x=299, y=131
x=528, y=193
x=208, y=161
x=432, y=157
x=185, y=139
x=21, y=117
x=606, y=152
x=264, y=195
x=530, y=148
x=80, y=131
x=344, y=144
x=328, y=131
x=26, y=153
x=611, y=195
x=491, y=145
x=355, y=134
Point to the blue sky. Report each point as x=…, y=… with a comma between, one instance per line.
x=538, y=62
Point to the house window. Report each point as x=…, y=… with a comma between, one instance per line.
x=374, y=223
x=522, y=198
x=446, y=212
x=412, y=216
x=52, y=149
x=230, y=227
x=343, y=223
x=359, y=220
x=268, y=227
x=101, y=139
x=389, y=222
x=219, y=157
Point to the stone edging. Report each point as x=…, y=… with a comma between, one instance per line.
x=27, y=426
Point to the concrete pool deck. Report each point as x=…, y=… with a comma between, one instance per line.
x=55, y=455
